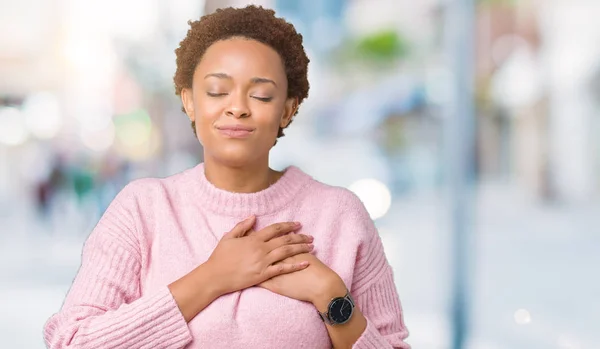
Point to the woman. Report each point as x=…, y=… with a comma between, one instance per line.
x=303, y=265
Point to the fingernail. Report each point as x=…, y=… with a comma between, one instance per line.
x=311, y=238
x=297, y=224
x=311, y=246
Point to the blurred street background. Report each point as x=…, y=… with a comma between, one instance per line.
x=487, y=199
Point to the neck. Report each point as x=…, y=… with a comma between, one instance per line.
x=250, y=178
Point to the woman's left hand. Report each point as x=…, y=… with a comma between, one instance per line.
x=309, y=284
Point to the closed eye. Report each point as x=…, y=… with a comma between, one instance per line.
x=263, y=99
x=210, y=94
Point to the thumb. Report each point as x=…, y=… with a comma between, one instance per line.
x=241, y=228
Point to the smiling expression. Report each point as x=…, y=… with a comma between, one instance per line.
x=238, y=100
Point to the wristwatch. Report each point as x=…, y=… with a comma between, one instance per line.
x=339, y=311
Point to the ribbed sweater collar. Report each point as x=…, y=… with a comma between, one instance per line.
x=267, y=201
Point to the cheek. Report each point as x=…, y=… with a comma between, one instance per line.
x=207, y=110
x=269, y=128
x=206, y=115
x=269, y=117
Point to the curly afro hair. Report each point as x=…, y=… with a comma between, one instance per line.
x=251, y=22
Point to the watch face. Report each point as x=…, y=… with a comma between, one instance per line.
x=340, y=310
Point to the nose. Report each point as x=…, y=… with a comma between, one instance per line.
x=238, y=107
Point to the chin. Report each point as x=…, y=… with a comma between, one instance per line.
x=236, y=157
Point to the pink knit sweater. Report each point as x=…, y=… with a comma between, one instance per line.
x=157, y=230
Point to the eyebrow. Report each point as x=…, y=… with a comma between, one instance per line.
x=263, y=81
x=255, y=80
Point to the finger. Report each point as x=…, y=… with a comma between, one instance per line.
x=289, y=239
x=248, y=232
x=241, y=228
x=285, y=268
x=287, y=251
x=278, y=229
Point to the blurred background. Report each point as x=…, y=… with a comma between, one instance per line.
x=470, y=130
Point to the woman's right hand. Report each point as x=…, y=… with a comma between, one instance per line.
x=241, y=260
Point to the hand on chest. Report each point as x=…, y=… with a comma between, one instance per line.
x=175, y=251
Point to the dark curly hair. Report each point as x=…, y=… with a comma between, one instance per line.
x=251, y=22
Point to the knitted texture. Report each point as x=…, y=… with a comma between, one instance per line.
x=157, y=230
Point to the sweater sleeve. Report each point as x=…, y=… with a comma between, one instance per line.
x=374, y=290
x=104, y=309
x=381, y=307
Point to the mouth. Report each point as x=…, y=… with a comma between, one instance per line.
x=235, y=131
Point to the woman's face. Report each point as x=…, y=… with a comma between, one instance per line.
x=238, y=100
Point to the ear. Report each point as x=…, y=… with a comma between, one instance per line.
x=291, y=105
x=188, y=103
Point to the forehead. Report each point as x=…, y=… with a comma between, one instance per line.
x=240, y=57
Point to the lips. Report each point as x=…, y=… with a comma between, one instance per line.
x=235, y=131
